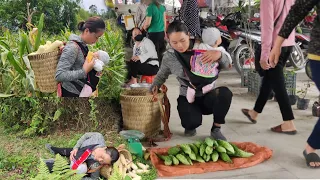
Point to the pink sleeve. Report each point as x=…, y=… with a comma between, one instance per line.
x=267, y=23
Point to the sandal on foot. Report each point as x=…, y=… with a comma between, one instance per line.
x=246, y=113
x=278, y=129
x=311, y=157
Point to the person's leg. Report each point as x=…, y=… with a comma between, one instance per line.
x=162, y=46
x=278, y=86
x=66, y=93
x=313, y=142
x=217, y=102
x=62, y=151
x=147, y=69
x=133, y=71
x=265, y=90
x=190, y=115
x=158, y=41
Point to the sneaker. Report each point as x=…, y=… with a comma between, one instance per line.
x=216, y=134
x=190, y=133
x=48, y=146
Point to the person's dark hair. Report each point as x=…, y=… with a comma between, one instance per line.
x=94, y=24
x=137, y=29
x=129, y=11
x=114, y=154
x=177, y=26
x=156, y=3
x=116, y=8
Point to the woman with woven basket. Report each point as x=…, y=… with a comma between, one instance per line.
x=176, y=61
x=74, y=69
x=89, y=155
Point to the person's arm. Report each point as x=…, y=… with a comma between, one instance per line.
x=66, y=61
x=267, y=27
x=83, y=138
x=224, y=61
x=138, y=16
x=298, y=11
x=147, y=22
x=149, y=50
x=164, y=71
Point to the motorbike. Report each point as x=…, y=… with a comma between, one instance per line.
x=243, y=43
x=303, y=41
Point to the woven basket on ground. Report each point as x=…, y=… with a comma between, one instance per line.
x=140, y=112
x=44, y=67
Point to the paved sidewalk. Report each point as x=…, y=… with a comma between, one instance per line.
x=287, y=160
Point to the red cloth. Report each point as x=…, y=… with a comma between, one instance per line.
x=260, y=154
x=81, y=160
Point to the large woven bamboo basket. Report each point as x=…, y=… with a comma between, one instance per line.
x=44, y=67
x=140, y=112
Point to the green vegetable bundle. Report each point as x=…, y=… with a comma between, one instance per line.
x=203, y=151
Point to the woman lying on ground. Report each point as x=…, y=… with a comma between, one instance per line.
x=89, y=155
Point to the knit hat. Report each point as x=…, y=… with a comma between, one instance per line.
x=104, y=57
x=210, y=35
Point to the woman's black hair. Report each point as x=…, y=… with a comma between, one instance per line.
x=114, y=154
x=94, y=24
x=177, y=26
x=156, y=3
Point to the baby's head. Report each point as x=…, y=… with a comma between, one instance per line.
x=211, y=36
x=103, y=56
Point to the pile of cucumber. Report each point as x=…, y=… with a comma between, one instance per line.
x=208, y=150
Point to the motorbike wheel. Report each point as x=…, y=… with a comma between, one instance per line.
x=297, y=58
x=308, y=69
x=242, y=53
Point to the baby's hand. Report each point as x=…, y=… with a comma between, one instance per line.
x=96, y=55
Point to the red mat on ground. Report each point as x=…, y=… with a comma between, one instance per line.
x=260, y=154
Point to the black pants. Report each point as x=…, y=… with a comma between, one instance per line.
x=274, y=80
x=66, y=93
x=62, y=151
x=158, y=40
x=216, y=102
x=138, y=68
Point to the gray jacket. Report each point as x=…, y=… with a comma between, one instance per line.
x=70, y=64
x=171, y=65
x=88, y=139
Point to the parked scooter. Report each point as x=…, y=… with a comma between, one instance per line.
x=242, y=45
x=303, y=41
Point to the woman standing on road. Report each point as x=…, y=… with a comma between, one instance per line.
x=155, y=25
x=298, y=11
x=273, y=14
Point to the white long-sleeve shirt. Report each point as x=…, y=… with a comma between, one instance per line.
x=145, y=50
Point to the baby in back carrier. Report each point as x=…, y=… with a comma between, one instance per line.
x=211, y=39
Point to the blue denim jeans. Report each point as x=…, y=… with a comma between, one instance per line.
x=314, y=138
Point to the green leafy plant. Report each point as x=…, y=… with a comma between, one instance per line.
x=303, y=91
x=61, y=171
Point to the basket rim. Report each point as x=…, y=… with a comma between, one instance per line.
x=37, y=56
x=146, y=96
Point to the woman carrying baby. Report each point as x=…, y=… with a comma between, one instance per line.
x=74, y=70
x=178, y=61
